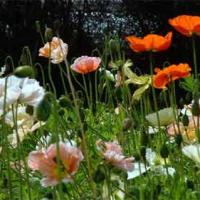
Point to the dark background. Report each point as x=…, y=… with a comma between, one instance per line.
x=85, y=23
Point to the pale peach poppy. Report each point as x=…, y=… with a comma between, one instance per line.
x=86, y=64
x=56, y=50
x=112, y=153
x=56, y=166
x=188, y=132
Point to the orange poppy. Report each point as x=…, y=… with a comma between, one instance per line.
x=186, y=24
x=171, y=73
x=150, y=42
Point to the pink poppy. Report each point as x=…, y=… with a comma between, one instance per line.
x=86, y=64
x=112, y=153
x=46, y=161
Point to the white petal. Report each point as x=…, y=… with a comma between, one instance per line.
x=139, y=169
x=192, y=151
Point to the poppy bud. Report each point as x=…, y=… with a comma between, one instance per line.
x=144, y=139
x=181, y=102
x=48, y=35
x=37, y=24
x=178, y=139
x=65, y=102
x=195, y=108
x=24, y=71
x=113, y=44
x=143, y=152
x=188, y=97
x=82, y=114
x=164, y=152
x=29, y=110
x=61, y=111
x=185, y=120
x=190, y=184
x=99, y=174
x=43, y=110
x=127, y=123
x=109, y=75
x=56, y=25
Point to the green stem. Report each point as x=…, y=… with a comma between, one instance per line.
x=194, y=57
x=49, y=72
x=153, y=90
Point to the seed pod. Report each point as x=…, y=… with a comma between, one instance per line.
x=164, y=152
x=24, y=71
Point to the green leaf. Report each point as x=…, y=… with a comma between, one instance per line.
x=187, y=84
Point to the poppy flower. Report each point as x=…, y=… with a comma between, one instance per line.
x=57, y=50
x=188, y=132
x=112, y=153
x=150, y=42
x=86, y=64
x=186, y=24
x=54, y=172
x=171, y=73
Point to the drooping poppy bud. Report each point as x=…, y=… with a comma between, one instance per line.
x=24, y=71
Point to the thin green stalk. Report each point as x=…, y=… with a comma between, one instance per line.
x=86, y=90
x=194, y=57
x=7, y=150
x=49, y=72
x=62, y=78
x=42, y=73
x=153, y=90
x=84, y=138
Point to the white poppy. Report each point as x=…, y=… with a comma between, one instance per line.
x=166, y=117
x=192, y=151
x=31, y=92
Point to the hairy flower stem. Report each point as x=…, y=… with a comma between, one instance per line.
x=7, y=150
x=84, y=138
x=153, y=89
x=49, y=72
x=20, y=153
x=194, y=57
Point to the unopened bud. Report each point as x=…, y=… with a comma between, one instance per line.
x=178, y=139
x=24, y=71
x=195, y=108
x=164, y=152
x=99, y=174
x=48, y=35
x=43, y=110
x=65, y=102
x=38, y=28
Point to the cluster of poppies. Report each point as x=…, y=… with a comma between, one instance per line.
x=186, y=25
x=63, y=169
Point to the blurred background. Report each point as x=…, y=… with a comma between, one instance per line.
x=83, y=24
